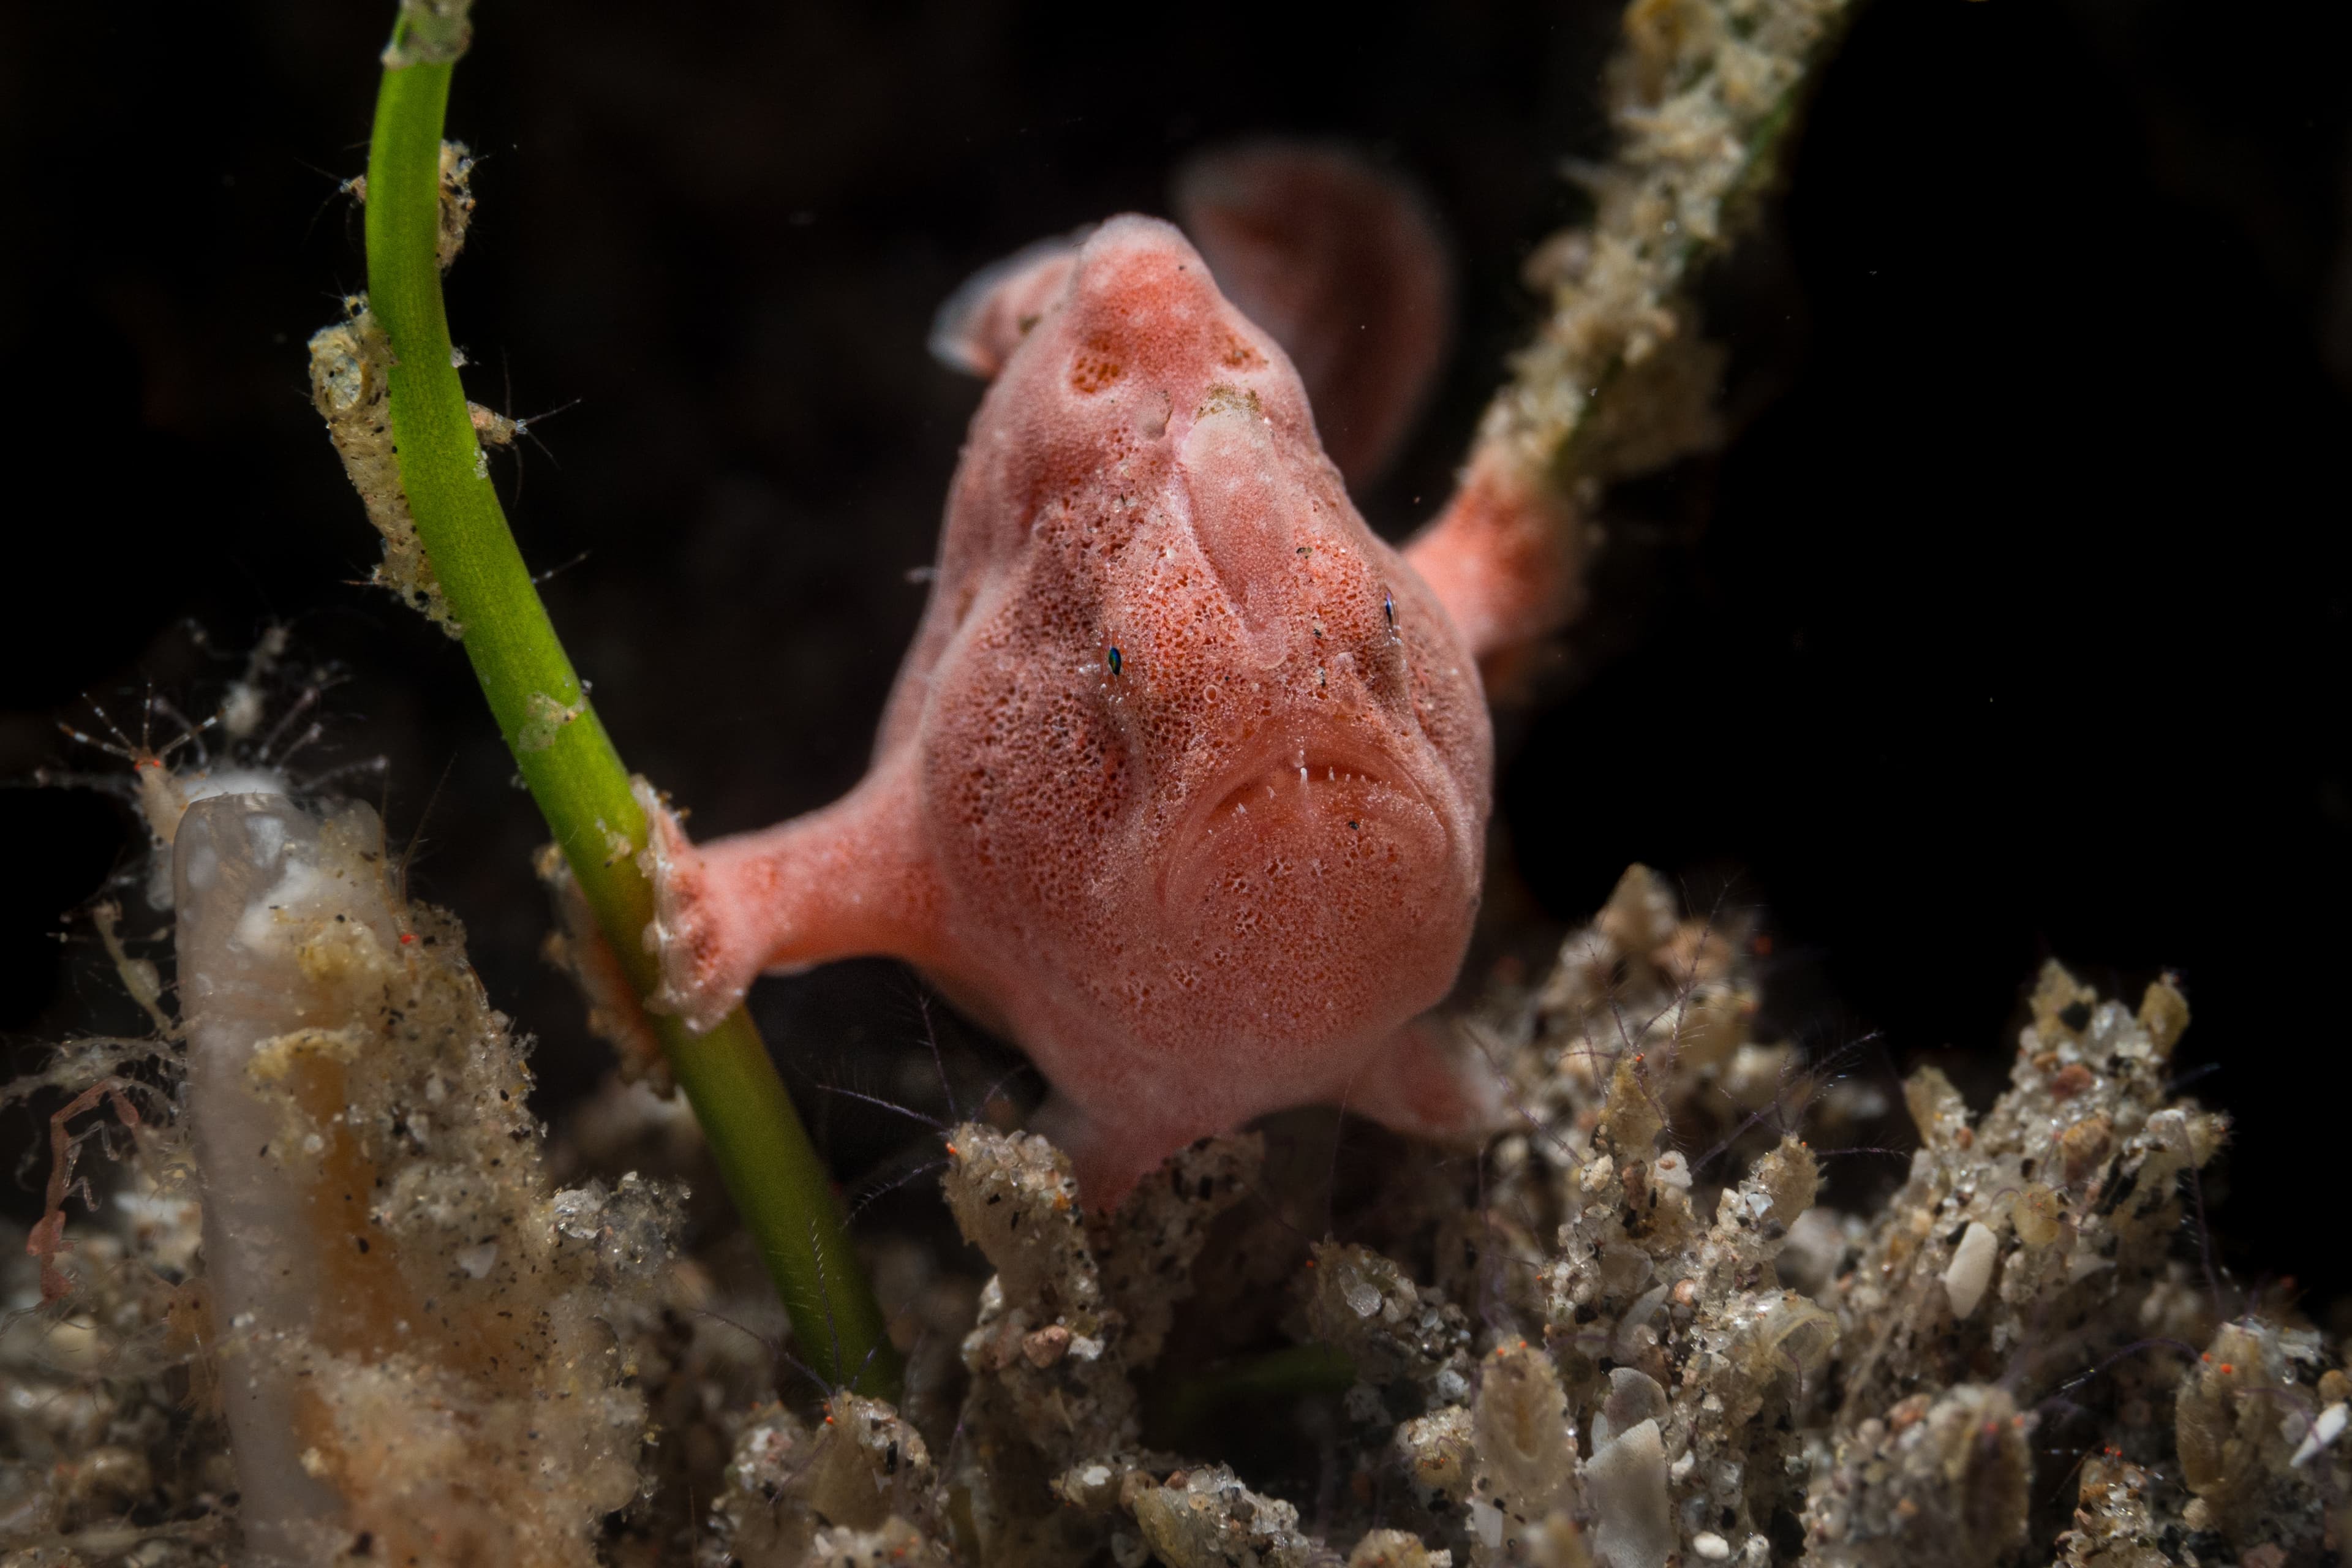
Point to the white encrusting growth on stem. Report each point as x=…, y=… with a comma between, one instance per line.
x=350, y=370
x=350, y=367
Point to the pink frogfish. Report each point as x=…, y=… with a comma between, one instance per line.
x=1183, y=785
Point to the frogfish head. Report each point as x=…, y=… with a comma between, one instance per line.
x=1211, y=766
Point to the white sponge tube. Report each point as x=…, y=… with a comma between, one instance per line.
x=251, y=877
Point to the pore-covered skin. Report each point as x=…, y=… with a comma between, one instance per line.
x=1184, y=781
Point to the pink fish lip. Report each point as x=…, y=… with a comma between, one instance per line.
x=1290, y=779
x=1310, y=769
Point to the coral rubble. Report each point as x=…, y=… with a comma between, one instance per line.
x=1644, y=1388
x=1628, y=1334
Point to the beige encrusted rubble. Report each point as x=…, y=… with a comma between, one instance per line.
x=1079, y=1305
x=1396, y=1548
x=1524, y=1496
x=1207, y=1519
x=2241, y=1415
x=859, y=1489
x=2076, y=1175
x=1367, y=1307
x=1940, y=1481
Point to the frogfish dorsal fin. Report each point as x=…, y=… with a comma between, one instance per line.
x=1343, y=265
x=979, y=325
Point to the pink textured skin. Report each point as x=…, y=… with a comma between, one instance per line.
x=1220, y=879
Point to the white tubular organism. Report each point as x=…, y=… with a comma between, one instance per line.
x=420, y=1344
x=249, y=881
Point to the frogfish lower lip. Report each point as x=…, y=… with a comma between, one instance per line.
x=1307, y=822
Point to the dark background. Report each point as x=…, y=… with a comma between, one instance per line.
x=2011, y=623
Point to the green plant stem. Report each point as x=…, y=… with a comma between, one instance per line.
x=780, y=1186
